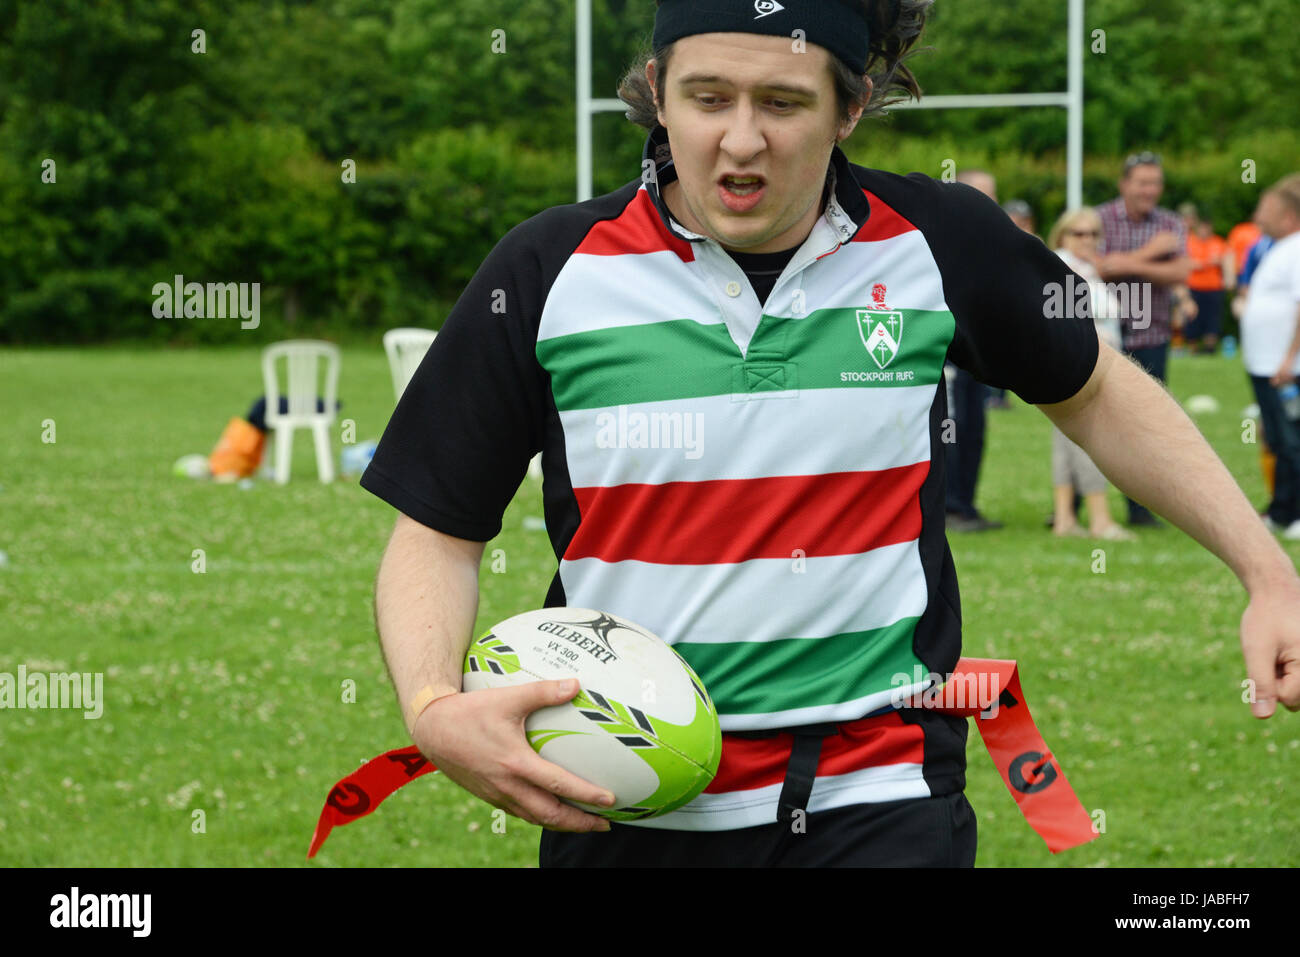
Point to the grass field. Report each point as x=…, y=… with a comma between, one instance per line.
x=224, y=690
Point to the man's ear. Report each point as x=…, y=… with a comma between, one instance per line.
x=855, y=114
x=652, y=76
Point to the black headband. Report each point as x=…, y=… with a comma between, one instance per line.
x=837, y=25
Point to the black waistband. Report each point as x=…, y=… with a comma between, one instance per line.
x=801, y=769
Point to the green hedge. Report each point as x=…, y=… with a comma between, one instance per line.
x=255, y=202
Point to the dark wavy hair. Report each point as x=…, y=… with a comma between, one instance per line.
x=895, y=26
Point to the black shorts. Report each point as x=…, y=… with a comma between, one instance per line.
x=1209, y=315
x=918, y=832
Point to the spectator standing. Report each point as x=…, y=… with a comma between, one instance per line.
x=1022, y=214
x=1250, y=262
x=1270, y=347
x=967, y=397
x=1075, y=238
x=1213, y=272
x=1146, y=248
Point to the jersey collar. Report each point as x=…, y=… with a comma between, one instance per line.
x=846, y=208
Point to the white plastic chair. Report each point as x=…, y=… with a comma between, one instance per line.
x=303, y=381
x=406, y=348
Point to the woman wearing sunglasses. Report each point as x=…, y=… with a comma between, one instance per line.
x=1076, y=238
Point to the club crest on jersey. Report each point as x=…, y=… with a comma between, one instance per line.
x=880, y=328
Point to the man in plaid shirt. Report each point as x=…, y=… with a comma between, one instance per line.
x=1146, y=249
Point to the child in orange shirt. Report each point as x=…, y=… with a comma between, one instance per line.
x=1213, y=271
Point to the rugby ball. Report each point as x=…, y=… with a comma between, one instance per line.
x=642, y=724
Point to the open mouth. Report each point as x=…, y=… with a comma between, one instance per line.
x=742, y=185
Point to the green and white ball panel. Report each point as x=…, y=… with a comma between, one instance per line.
x=564, y=736
x=489, y=655
x=643, y=726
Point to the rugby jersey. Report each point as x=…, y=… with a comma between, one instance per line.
x=760, y=484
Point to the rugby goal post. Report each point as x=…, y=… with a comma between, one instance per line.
x=1071, y=100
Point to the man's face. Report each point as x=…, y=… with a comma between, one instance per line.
x=1141, y=189
x=984, y=182
x=752, y=124
x=1274, y=217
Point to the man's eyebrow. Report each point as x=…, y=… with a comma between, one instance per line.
x=707, y=78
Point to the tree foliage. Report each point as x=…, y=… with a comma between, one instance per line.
x=229, y=164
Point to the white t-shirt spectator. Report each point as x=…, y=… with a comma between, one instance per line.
x=1268, y=324
x=1105, y=307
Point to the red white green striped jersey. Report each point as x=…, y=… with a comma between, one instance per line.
x=761, y=484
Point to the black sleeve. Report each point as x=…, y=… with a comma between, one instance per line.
x=1023, y=320
x=459, y=442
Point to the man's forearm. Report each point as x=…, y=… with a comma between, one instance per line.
x=1173, y=272
x=426, y=599
x=1143, y=442
x=1166, y=273
x=1115, y=265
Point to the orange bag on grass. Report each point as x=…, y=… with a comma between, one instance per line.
x=238, y=451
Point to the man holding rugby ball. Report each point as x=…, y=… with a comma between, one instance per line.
x=798, y=309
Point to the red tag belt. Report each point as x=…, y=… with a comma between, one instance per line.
x=986, y=689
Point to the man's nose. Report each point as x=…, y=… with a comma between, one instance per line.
x=743, y=138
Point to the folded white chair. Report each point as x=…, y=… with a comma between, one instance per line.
x=406, y=348
x=305, y=360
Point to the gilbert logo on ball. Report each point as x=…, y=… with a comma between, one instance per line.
x=642, y=724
